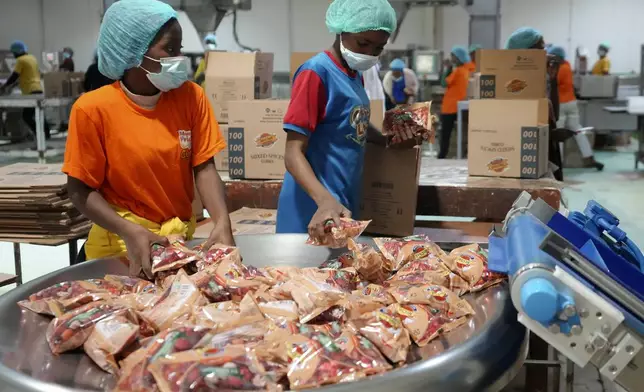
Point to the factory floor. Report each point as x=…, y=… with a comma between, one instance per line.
x=618, y=188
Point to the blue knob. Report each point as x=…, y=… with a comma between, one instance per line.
x=539, y=300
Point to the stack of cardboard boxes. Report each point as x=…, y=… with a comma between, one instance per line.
x=239, y=87
x=508, y=119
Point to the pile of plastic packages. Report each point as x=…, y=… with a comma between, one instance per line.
x=210, y=322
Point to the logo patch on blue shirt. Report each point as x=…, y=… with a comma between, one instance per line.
x=360, y=123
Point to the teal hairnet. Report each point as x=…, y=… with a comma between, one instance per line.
x=356, y=16
x=474, y=47
x=557, y=51
x=128, y=28
x=18, y=47
x=524, y=38
x=210, y=38
x=461, y=54
x=605, y=46
x=397, y=65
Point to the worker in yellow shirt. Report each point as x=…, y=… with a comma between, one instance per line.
x=602, y=66
x=27, y=74
x=210, y=44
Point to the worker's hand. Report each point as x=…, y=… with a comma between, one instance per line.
x=328, y=210
x=221, y=234
x=409, y=91
x=138, y=241
x=402, y=135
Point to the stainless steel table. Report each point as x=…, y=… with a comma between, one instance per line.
x=38, y=102
x=483, y=355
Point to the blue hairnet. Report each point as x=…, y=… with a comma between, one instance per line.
x=474, y=48
x=356, y=16
x=461, y=54
x=18, y=47
x=128, y=28
x=397, y=65
x=210, y=37
x=557, y=51
x=524, y=38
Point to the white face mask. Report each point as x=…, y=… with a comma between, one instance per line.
x=602, y=52
x=357, y=61
x=174, y=72
x=211, y=47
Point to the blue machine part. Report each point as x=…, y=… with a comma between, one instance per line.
x=602, y=225
x=540, y=298
x=599, y=252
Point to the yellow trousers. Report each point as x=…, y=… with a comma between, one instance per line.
x=101, y=243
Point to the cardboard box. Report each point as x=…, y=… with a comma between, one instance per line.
x=297, y=59
x=597, y=86
x=253, y=221
x=256, y=139
x=390, y=190
x=237, y=77
x=508, y=138
x=76, y=80
x=510, y=74
x=221, y=159
x=245, y=221
x=56, y=84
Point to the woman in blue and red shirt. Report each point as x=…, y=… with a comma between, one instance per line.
x=328, y=119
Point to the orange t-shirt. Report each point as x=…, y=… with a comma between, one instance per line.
x=456, y=91
x=471, y=67
x=565, y=83
x=142, y=160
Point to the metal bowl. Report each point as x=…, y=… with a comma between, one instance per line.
x=483, y=355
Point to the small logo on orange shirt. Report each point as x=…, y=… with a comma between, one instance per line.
x=185, y=141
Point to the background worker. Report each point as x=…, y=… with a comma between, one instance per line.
x=94, y=79
x=136, y=191
x=327, y=122
x=568, y=109
x=602, y=66
x=27, y=74
x=400, y=84
x=471, y=66
x=68, y=60
x=529, y=38
x=455, y=80
x=210, y=44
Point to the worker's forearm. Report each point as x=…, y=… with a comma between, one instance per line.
x=211, y=190
x=94, y=207
x=12, y=80
x=301, y=170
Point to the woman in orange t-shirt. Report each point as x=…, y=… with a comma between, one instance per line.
x=136, y=147
x=456, y=79
x=568, y=109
